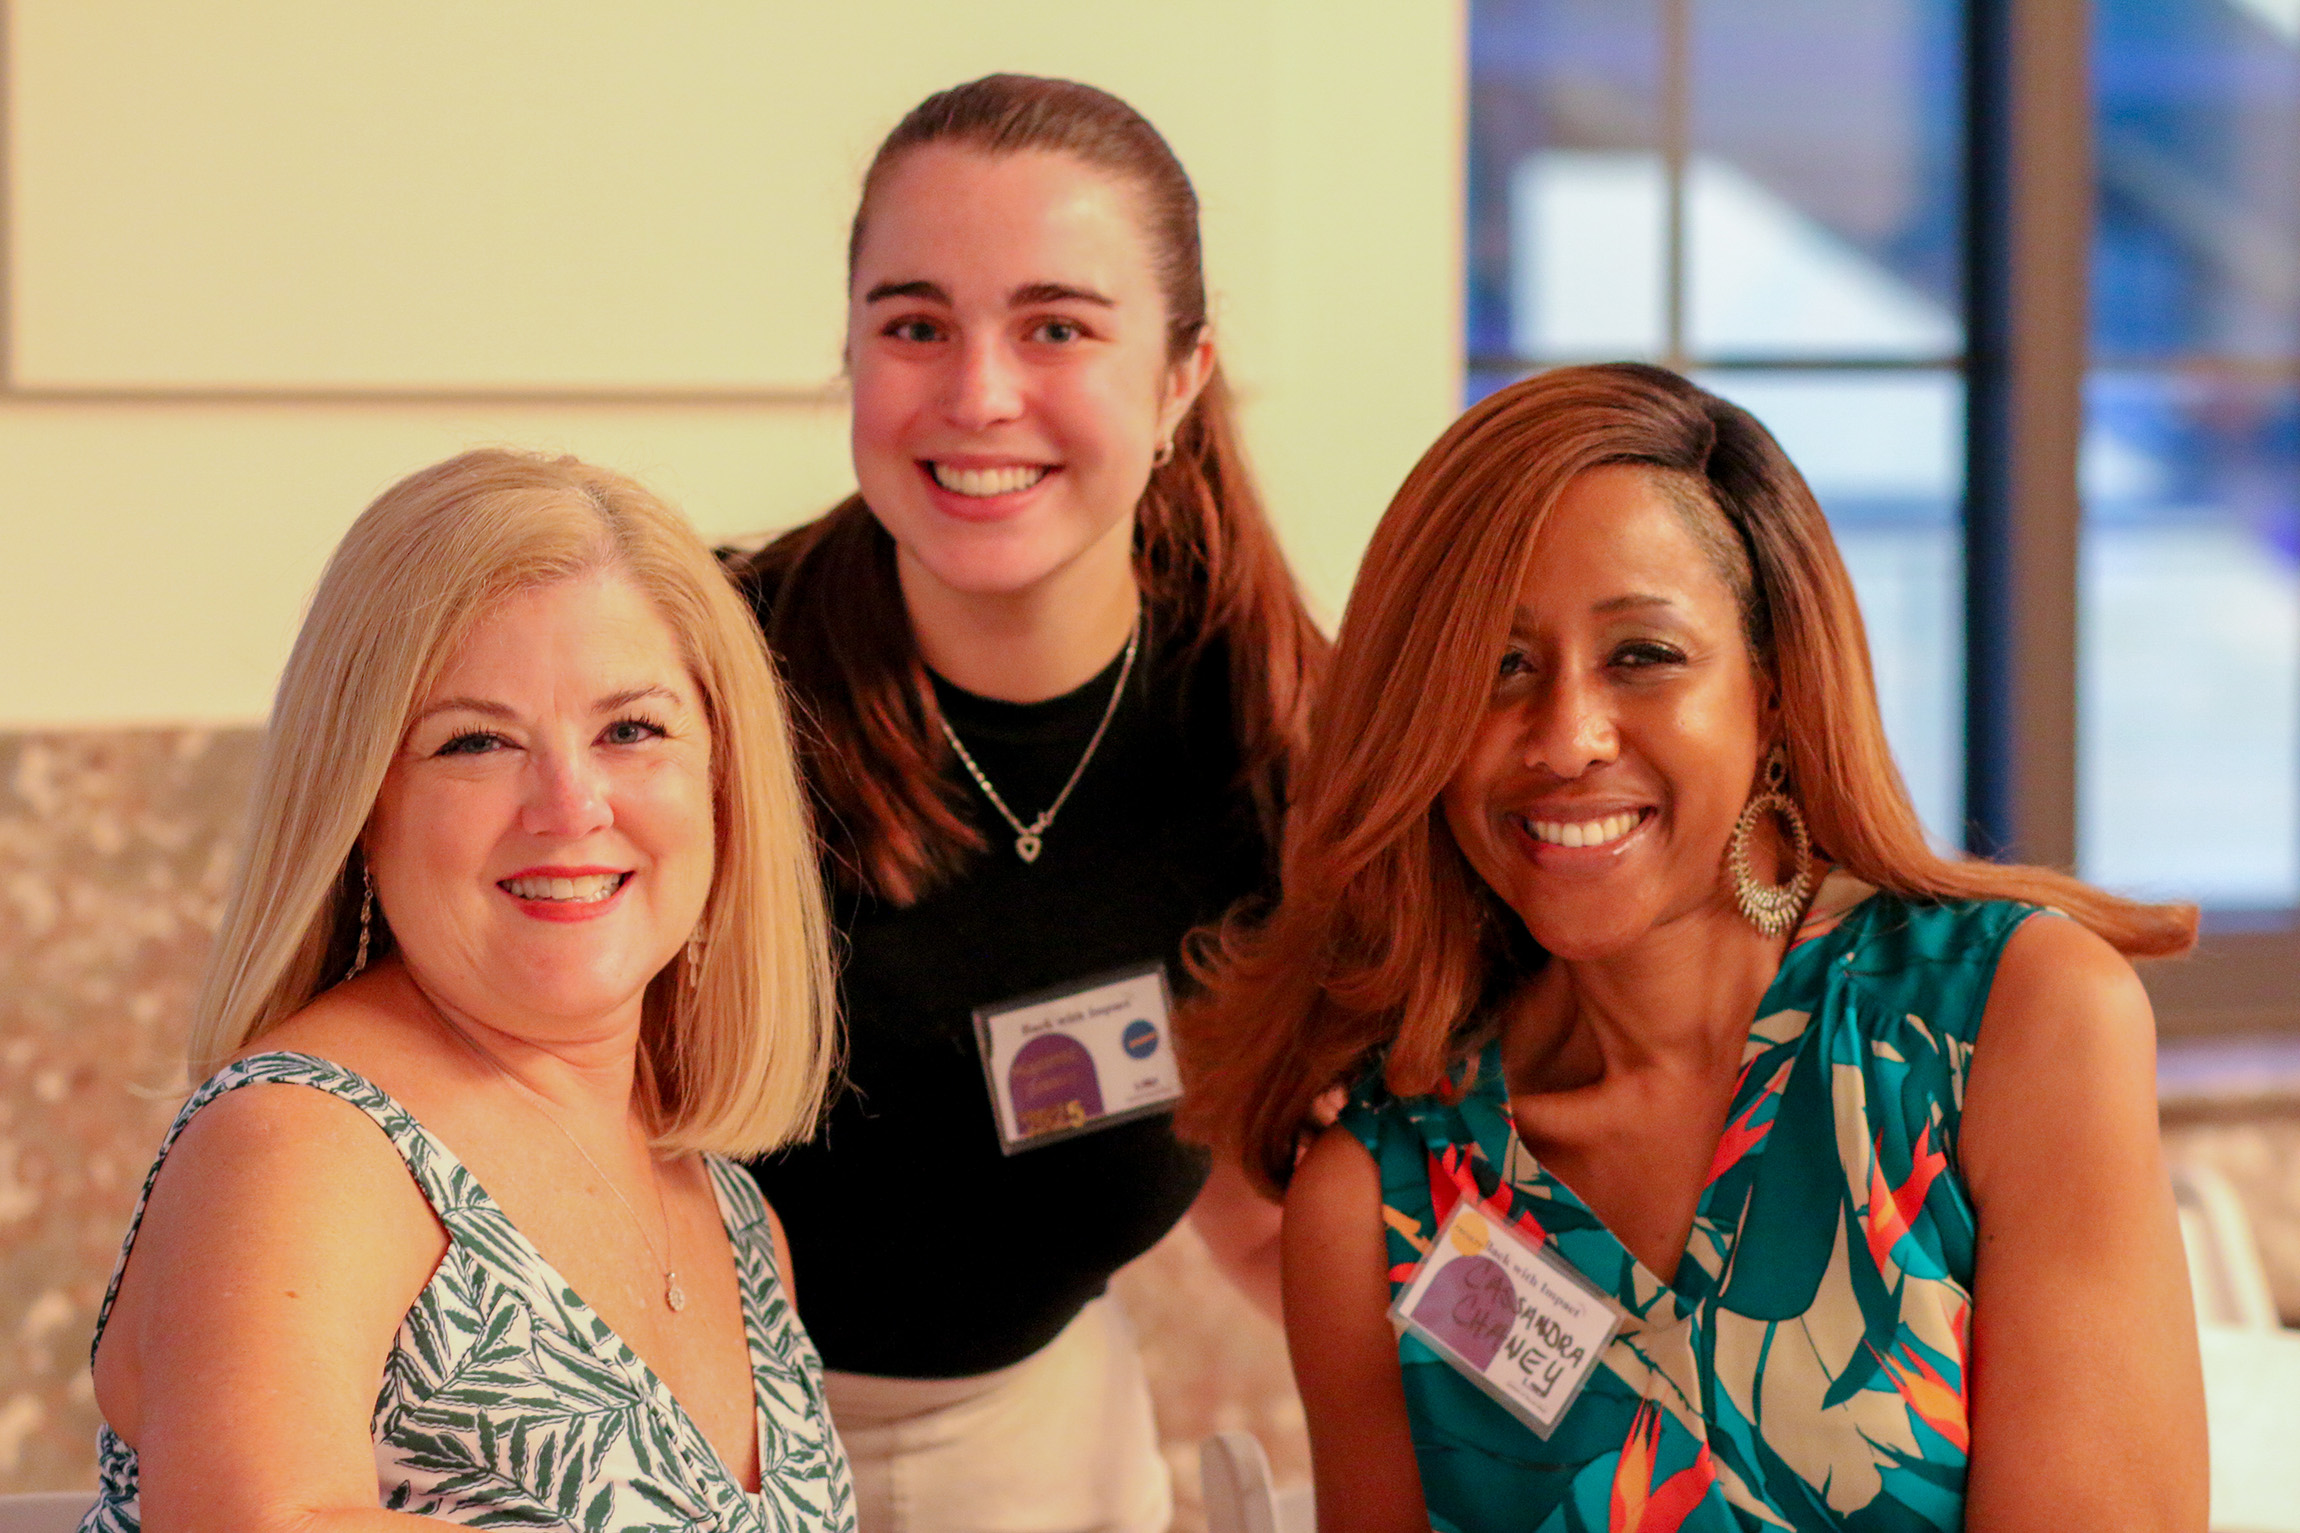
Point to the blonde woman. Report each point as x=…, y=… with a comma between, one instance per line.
x=526, y=938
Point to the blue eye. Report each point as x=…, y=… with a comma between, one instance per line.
x=632, y=731
x=1059, y=331
x=471, y=743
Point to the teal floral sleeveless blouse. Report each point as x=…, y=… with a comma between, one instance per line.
x=506, y=1402
x=1806, y=1368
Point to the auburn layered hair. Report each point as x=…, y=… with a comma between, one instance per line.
x=1208, y=563
x=1385, y=944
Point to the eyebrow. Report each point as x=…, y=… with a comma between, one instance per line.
x=1022, y=297
x=1031, y=293
x=613, y=702
x=1634, y=599
x=932, y=292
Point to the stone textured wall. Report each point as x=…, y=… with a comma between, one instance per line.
x=114, y=852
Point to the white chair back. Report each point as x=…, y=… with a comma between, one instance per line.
x=1234, y=1475
x=56, y=1511
x=2224, y=1269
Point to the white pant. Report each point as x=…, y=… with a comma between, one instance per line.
x=1061, y=1442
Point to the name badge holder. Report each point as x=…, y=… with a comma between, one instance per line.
x=1509, y=1315
x=1079, y=1057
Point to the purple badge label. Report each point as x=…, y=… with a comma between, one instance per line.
x=1079, y=1058
x=1469, y=1306
x=1053, y=1085
x=1508, y=1313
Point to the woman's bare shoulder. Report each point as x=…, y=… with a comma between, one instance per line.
x=281, y=1153
x=2067, y=1024
x=1336, y=1182
x=2059, y=987
x=369, y=1027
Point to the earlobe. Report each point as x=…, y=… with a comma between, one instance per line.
x=1185, y=381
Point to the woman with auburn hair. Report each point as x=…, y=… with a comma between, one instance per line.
x=525, y=941
x=1693, y=1133
x=1054, y=669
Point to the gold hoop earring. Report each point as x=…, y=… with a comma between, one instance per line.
x=366, y=920
x=1771, y=908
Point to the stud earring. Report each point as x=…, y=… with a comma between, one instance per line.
x=1164, y=455
x=366, y=920
x=1770, y=907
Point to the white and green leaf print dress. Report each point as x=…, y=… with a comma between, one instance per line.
x=507, y=1403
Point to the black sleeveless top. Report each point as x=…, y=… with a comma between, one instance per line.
x=919, y=1249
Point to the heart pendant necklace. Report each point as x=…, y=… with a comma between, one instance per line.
x=1030, y=840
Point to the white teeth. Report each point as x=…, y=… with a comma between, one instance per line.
x=1585, y=832
x=588, y=889
x=988, y=481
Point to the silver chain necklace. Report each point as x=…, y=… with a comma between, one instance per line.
x=1030, y=839
x=673, y=1295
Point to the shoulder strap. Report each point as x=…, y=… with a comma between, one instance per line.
x=426, y=1158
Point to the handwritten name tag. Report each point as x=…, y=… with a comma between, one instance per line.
x=1079, y=1058
x=1510, y=1315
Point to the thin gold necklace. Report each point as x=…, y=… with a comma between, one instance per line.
x=1029, y=839
x=674, y=1296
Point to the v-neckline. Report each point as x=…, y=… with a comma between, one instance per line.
x=1522, y=1172
x=594, y=1334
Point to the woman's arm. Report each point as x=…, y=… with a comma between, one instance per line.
x=282, y=1247
x=1337, y=1294
x=2087, y=1399
x=1240, y=1228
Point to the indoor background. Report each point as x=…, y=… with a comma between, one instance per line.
x=2016, y=281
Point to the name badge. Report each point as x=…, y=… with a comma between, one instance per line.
x=1082, y=1057
x=1512, y=1317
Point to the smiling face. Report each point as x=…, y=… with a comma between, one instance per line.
x=1007, y=341
x=1624, y=731
x=543, y=843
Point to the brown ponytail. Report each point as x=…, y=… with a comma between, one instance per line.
x=1204, y=554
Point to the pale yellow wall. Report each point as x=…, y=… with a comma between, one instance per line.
x=264, y=256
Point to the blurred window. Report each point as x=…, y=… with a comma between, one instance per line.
x=1766, y=194
x=2189, y=689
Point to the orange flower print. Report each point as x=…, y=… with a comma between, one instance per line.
x=1930, y=1397
x=1892, y=1209
x=1639, y=1505
x=1740, y=1137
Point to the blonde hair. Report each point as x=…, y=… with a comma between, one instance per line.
x=739, y=1052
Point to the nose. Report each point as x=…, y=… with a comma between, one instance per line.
x=567, y=796
x=1570, y=727
x=984, y=388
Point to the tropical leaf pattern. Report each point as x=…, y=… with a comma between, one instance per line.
x=1806, y=1368
x=507, y=1403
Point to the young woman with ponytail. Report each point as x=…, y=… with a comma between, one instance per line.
x=1052, y=671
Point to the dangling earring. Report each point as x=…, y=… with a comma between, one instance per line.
x=366, y=920
x=1164, y=455
x=1770, y=907
x=690, y=973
